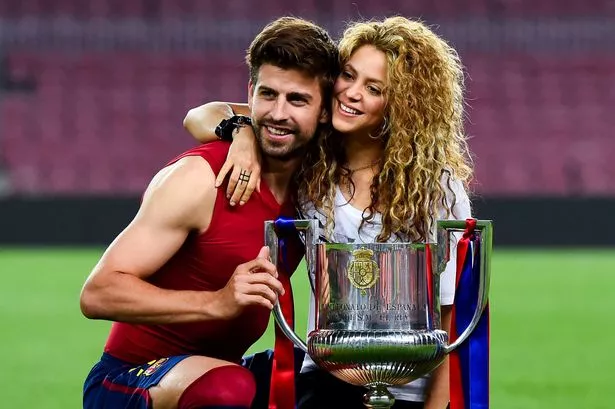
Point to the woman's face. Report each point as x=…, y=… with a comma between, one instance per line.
x=358, y=94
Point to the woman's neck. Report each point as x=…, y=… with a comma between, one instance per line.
x=364, y=157
x=362, y=151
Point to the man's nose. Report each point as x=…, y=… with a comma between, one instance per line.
x=279, y=112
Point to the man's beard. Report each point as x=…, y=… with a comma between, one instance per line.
x=284, y=151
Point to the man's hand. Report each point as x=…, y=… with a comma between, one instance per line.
x=252, y=283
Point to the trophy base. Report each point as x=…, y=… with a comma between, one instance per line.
x=377, y=357
x=378, y=397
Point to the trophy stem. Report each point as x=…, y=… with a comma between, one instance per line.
x=378, y=397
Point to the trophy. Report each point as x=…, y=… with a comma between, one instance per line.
x=378, y=306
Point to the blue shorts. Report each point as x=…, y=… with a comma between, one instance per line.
x=116, y=384
x=113, y=383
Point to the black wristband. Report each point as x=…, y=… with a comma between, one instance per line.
x=225, y=129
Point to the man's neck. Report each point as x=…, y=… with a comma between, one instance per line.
x=278, y=174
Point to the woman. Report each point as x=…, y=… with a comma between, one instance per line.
x=395, y=162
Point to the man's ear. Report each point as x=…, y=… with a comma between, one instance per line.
x=250, y=93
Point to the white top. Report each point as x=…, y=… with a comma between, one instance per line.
x=347, y=222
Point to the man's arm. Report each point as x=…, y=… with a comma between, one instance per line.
x=202, y=121
x=180, y=199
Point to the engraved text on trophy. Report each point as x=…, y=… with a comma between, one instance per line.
x=374, y=312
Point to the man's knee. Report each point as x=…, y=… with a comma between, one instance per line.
x=229, y=385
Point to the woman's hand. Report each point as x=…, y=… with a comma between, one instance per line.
x=244, y=163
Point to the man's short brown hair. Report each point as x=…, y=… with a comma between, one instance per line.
x=294, y=43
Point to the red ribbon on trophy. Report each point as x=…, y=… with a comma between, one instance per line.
x=282, y=388
x=469, y=363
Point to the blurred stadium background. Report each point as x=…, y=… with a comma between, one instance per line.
x=92, y=95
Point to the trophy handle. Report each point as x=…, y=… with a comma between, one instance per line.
x=485, y=228
x=286, y=329
x=309, y=227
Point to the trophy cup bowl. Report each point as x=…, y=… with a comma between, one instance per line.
x=378, y=307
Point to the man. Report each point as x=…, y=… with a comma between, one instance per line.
x=188, y=283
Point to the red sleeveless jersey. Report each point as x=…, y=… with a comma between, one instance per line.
x=206, y=262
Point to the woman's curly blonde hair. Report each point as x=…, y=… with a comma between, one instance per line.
x=424, y=145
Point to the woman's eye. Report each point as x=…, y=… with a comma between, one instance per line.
x=374, y=90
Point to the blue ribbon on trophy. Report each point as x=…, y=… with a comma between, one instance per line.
x=469, y=364
x=285, y=229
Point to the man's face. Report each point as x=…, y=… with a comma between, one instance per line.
x=286, y=110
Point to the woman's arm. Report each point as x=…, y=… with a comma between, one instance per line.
x=243, y=155
x=201, y=122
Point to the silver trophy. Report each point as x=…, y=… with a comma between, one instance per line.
x=378, y=306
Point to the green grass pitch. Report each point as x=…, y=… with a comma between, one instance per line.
x=551, y=328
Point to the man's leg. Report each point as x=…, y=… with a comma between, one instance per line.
x=199, y=382
x=182, y=382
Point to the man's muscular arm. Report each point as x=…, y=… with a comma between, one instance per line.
x=180, y=199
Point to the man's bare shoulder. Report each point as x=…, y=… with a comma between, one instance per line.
x=189, y=170
x=184, y=190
